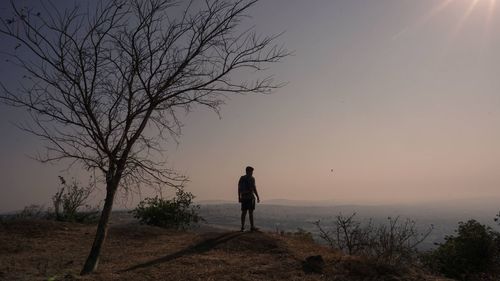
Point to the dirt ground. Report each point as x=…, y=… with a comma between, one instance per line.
x=48, y=250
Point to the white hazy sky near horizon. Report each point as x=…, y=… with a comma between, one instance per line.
x=401, y=102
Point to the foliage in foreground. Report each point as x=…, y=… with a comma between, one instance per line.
x=473, y=254
x=179, y=212
x=393, y=243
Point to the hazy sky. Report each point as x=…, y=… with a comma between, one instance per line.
x=400, y=98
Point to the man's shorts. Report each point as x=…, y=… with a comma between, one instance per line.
x=248, y=204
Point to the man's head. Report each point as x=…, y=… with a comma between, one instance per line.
x=249, y=170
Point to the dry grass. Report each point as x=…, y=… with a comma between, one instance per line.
x=39, y=250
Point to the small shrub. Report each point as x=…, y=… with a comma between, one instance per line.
x=474, y=251
x=392, y=243
x=397, y=240
x=32, y=212
x=347, y=235
x=179, y=213
x=301, y=234
x=70, y=203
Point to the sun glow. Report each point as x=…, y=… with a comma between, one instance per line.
x=473, y=4
x=470, y=7
x=491, y=10
x=435, y=11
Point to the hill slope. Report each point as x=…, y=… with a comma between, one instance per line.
x=39, y=250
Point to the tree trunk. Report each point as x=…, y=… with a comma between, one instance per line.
x=102, y=229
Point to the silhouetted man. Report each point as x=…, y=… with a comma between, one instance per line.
x=246, y=191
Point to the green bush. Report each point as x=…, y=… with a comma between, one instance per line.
x=472, y=252
x=178, y=213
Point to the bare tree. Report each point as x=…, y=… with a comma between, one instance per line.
x=104, y=85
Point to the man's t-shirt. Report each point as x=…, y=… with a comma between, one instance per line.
x=246, y=186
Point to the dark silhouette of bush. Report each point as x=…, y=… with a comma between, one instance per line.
x=70, y=202
x=474, y=251
x=392, y=243
x=69, y=205
x=303, y=234
x=32, y=211
x=179, y=213
x=299, y=234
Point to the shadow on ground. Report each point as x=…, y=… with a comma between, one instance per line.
x=201, y=247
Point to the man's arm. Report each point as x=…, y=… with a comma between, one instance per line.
x=239, y=190
x=256, y=194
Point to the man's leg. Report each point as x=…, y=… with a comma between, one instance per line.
x=243, y=215
x=250, y=216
